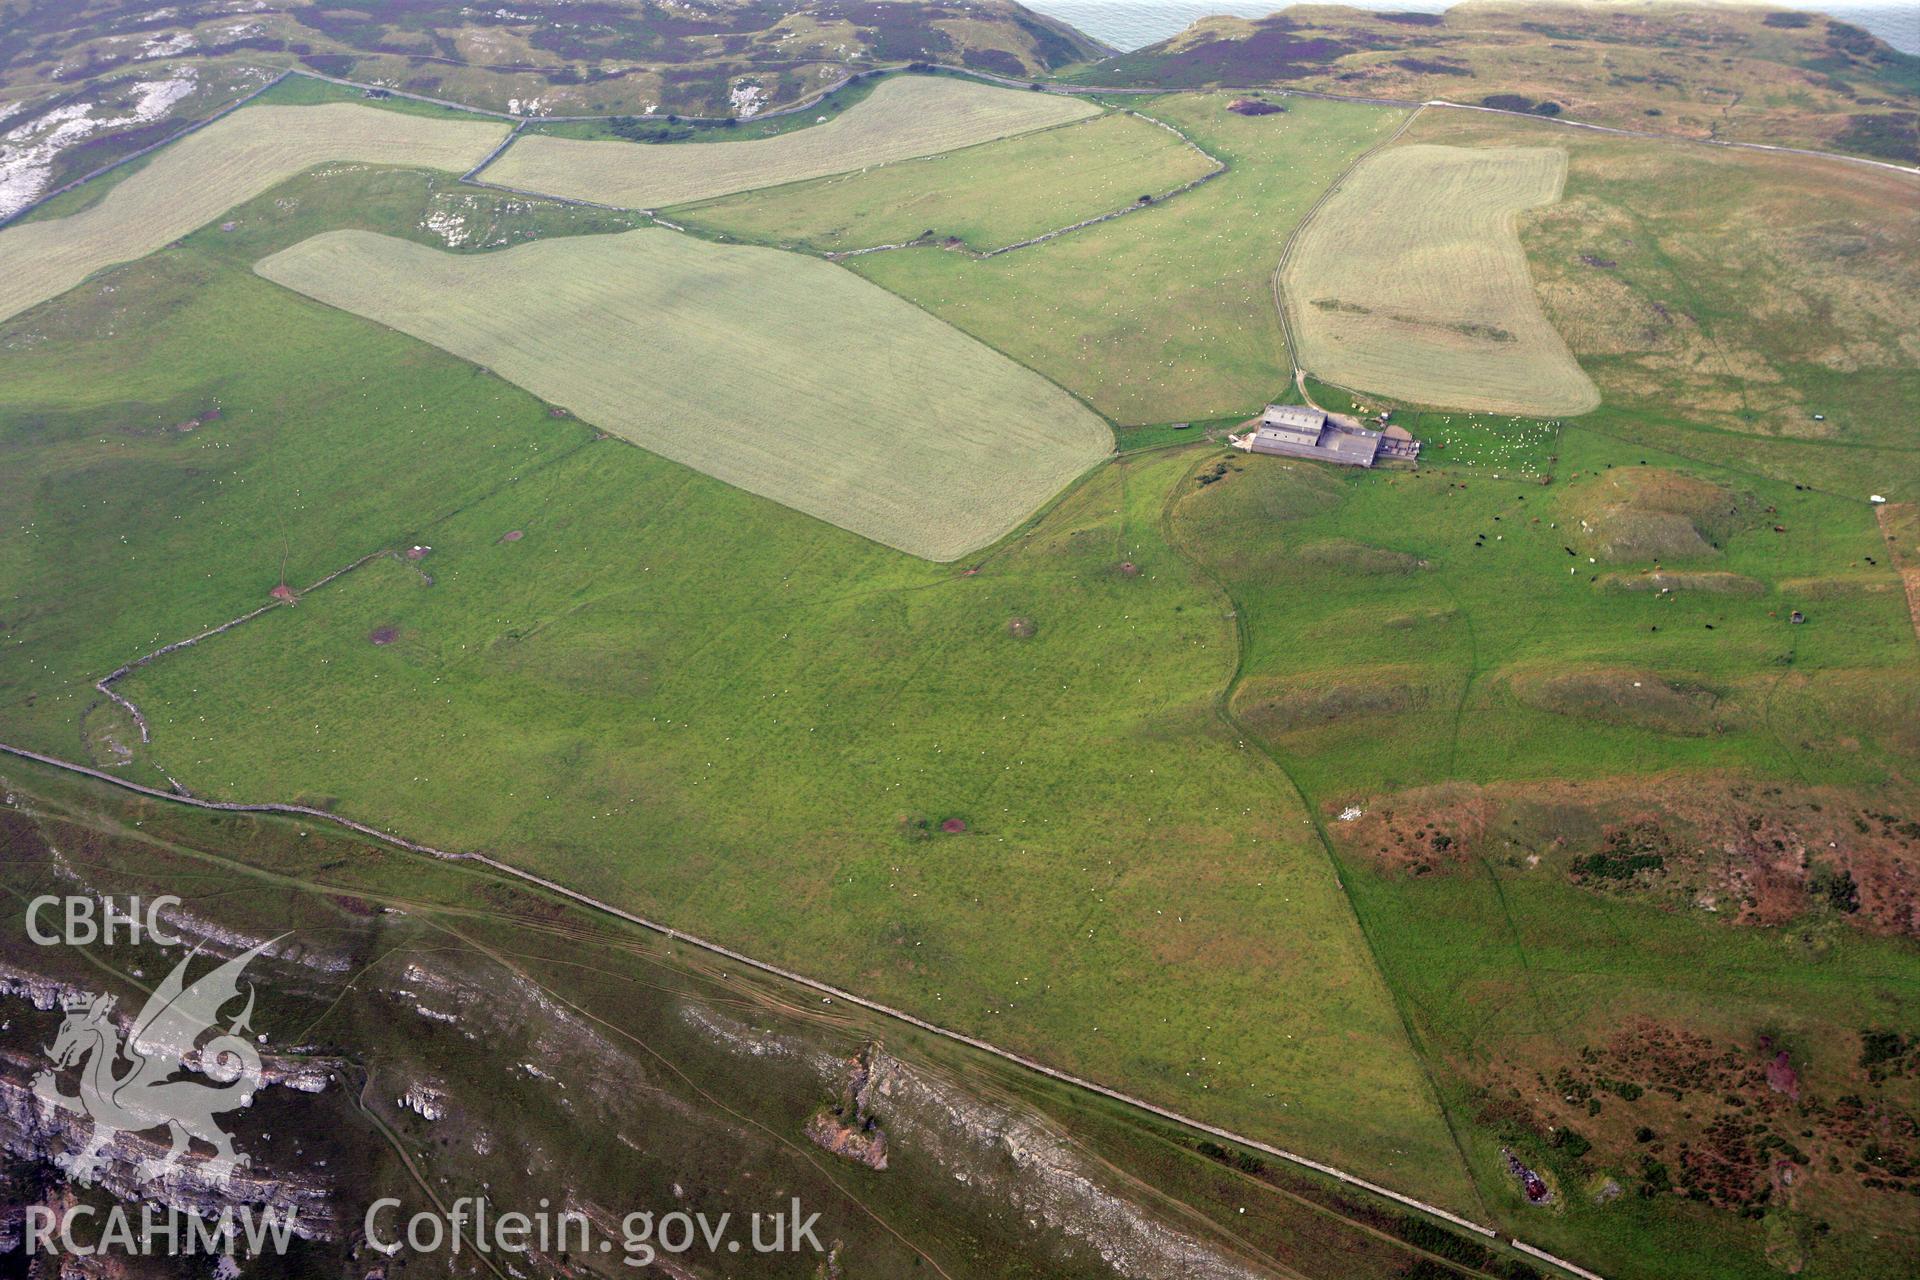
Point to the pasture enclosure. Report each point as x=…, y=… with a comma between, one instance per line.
x=196, y=180
x=780, y=374
x=1167, y=314
x=904, y=117
x=988, y=196
x=1410, y=281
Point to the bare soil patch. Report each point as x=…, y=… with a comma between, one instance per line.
x=383, y=635
x=1424, y=831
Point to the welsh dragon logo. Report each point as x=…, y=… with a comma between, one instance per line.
x=127, y=1086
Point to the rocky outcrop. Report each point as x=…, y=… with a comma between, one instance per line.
x=1007, y=1156
x=863, y=1146
x=851, y=1129
x=35, y=1133
x=425, y=1101
x=1020, y=1157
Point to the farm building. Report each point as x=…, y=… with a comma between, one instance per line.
x=1300, y=432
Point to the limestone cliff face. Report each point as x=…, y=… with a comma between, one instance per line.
x=890, y=1110
x=37, y=1134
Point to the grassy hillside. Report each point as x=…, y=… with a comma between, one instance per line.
x=1167, y=314
x=1548, y=808
x=658, y=1069
x=984, y=197
x=542, y=56
x=1737, y=291
x=1724, y=71
x=676, y=695
x=1612, y=821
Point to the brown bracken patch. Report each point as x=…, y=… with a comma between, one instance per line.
x=1432, y=829
x=1747, y=852
x=1675, y=1112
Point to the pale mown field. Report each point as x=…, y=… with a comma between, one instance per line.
x=784, y=375
x=1742, y=290
x=904, y=117
x=231, y=161
x=1411, y=282
x=987, y=196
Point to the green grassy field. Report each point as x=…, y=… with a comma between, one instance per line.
x=901, y=118
x=988, y=196
x=1409, y=281
x=1167, y=314
x=677, y=695
x=1402, y=818
x=1448, y=585
x=775, y=372
x=197, y=179
x=587, y=701
x=111, y=428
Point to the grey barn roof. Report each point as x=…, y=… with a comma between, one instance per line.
x=1296, y=416
x=1300, y=431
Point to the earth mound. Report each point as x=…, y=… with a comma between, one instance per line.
x=1630, y=698
x=1728, y=584
x=1344, y=556
x=1652, y=513
x=1284, y=705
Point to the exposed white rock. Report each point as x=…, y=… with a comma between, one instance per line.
x=28, y=150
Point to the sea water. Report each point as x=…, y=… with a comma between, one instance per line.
x=1130, y=24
